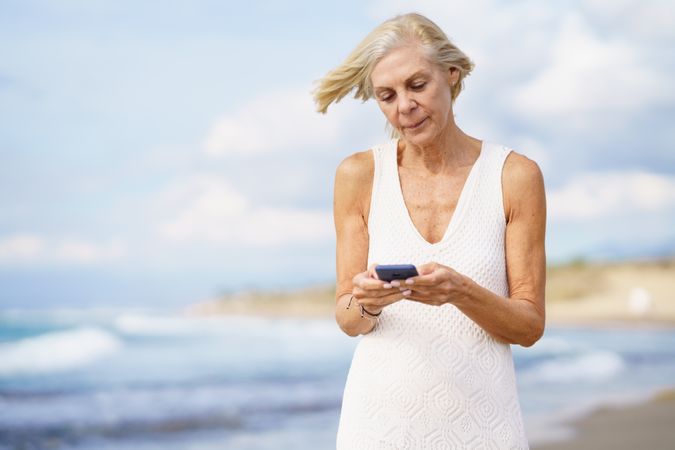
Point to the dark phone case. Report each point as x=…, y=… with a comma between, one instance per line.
x=395, y=271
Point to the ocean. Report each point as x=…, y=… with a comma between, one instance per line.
x=139, y=379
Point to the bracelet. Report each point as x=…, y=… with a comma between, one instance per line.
x=369, y=315
x=341, y=293
x=364, y=312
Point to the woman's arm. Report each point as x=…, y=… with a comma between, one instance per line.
x=520, y=318
x=353, y=186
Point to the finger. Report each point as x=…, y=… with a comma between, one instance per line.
x=423, y=280
x=419, y=291
x=380, y=302
x=424, y=299
x=374, y=293
x=404, y=291
x=365, y=281
x=370, y=284
x=424, y=272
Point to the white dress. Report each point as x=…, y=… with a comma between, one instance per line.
x=428, y=377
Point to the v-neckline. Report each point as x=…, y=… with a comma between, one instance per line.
x=459, y=208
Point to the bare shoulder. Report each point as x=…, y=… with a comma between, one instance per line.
x=353, y=184
x=356, y=168
x=520, y=172
x=523, y=187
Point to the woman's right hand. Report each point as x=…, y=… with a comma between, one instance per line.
x=374, y=294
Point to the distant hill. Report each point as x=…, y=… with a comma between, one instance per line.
x=627, y=251
x=576, y=292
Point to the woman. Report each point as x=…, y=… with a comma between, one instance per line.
x=434, y=368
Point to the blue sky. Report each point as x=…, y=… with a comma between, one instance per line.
x=164, y=152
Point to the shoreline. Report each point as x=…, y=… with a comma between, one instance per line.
x=210, y=309
x=294, y=313
x=638, y=424
x=606, y=324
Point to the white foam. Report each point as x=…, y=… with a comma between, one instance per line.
x=594, y=367
x=146, y=325
x=170, y=325
x=56, y=351
x=139, y=324
x=546, y=346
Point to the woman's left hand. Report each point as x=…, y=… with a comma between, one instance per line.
x=436, y=285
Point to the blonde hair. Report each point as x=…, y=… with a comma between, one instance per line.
x=411, y=28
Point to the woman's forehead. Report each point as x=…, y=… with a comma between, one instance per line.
x=401, y=64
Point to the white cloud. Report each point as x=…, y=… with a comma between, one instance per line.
x=651, y=19
x=30, y=248
x=497, y=35
x=83, y=252
x=273, y=122
x=583, y=66
x=590, y=75
x=209, y=210
x=608, y=194
x=21, y=246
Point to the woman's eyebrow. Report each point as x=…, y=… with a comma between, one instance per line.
x=415, y=75
x=407, y=80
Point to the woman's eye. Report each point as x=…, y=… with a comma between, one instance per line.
x=418, y=86
x=386, y=98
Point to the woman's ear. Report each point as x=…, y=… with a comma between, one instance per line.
x=453, y=75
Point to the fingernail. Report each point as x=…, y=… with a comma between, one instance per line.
x=410, y=281
x=408, y=292
x=386, y=286
x=396, y=283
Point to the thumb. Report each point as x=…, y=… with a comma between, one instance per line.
x=371, y=271
x=426, y=268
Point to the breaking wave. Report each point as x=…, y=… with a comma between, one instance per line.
x=56, y=351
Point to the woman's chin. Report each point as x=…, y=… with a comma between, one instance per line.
x=418, y=138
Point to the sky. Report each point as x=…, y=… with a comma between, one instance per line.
x=161, y=153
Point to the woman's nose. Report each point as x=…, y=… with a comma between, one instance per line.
x=406, y=104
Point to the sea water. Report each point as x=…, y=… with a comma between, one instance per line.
x=134, y=379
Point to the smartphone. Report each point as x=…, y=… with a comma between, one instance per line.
x=389, y=272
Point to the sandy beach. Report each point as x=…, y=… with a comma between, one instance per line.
x=622, y=295
x=646, y=426
x=627, y=293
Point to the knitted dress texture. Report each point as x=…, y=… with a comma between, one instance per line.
x=428, y=377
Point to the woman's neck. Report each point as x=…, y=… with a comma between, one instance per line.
x=452, y=149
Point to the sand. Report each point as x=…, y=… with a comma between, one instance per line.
x=627, y=294
x=646, y=426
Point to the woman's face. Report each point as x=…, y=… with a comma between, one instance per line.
x=414, y=94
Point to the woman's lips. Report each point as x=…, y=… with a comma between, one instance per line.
x=416, y=125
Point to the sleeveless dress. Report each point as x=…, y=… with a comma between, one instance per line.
x=428, y=377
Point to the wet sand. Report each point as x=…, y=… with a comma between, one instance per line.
x=646, y=426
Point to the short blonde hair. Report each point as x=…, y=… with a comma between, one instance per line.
x=401, y=30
